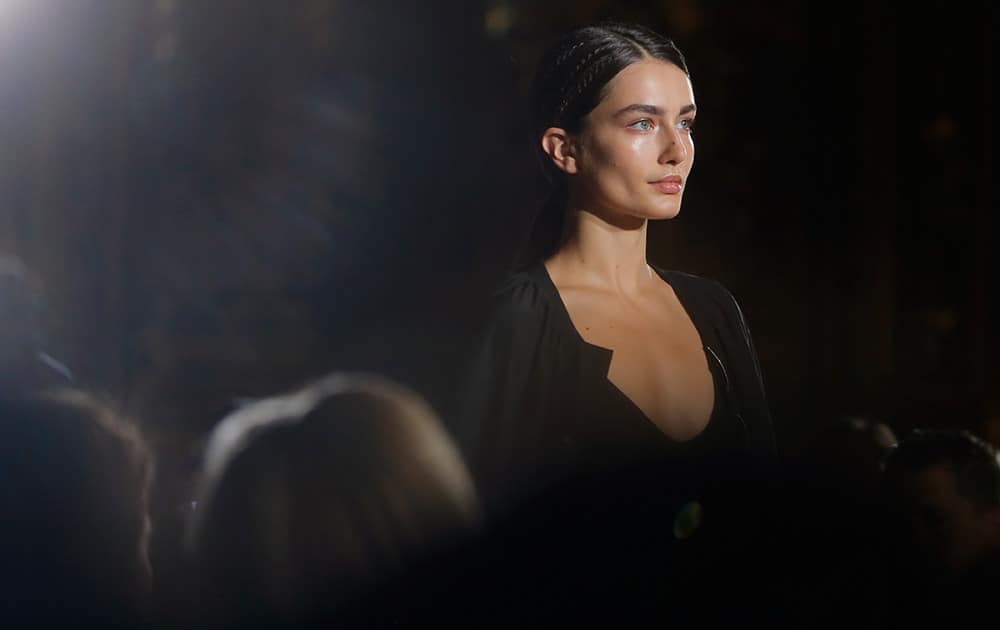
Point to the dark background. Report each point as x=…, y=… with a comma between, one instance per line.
x=221, y=200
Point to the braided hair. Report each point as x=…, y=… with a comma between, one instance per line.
x=571, y=80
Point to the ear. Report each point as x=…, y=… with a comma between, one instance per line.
x=560, y=146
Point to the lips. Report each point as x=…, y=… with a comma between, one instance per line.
x=670, y=185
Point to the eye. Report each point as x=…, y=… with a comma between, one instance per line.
x=686, y=124
x=643, y=125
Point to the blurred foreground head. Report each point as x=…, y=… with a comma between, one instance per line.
x=947, y=485
x=313, y=499
x=74, y=486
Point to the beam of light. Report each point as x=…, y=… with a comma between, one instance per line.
x=10, y=8
x=15, y=18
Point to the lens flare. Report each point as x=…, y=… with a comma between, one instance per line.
x=687, y=520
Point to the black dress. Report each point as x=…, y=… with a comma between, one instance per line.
x=584, y=483
x=538, y=404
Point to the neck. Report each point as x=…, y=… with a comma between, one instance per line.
x=602, y=253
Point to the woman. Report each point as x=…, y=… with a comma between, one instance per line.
x=594, y=360
x=613, y=403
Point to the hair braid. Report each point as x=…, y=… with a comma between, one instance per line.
x=574, y=84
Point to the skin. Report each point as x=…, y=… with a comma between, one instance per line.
x=952, y=530
x=637, y=135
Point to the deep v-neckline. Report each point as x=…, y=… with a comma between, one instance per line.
x=607, y=353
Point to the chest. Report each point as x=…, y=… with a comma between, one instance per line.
x=658, y=361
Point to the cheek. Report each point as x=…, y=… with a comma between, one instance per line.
x=626, y=161
x=643, y=151
x=619, y=152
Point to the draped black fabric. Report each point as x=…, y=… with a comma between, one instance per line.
x=539, y=406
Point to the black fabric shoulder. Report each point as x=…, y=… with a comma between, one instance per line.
x=500, y=385
x=704, y=290
x=518, y=312
x=521, y=298
x=723, y=326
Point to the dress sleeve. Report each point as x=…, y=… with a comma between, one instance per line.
x=496, y=417
x=744, y=372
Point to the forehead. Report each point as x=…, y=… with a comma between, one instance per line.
x=649, y=82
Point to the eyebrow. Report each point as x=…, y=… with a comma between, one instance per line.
x=652, y=110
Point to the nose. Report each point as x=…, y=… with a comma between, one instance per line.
x=675, y=148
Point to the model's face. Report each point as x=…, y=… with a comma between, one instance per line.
x=949, y=528
x=635, y=150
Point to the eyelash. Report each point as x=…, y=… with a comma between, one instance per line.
x=649, y=122
x=686, y=124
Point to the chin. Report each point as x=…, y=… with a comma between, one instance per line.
x=664, y=211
